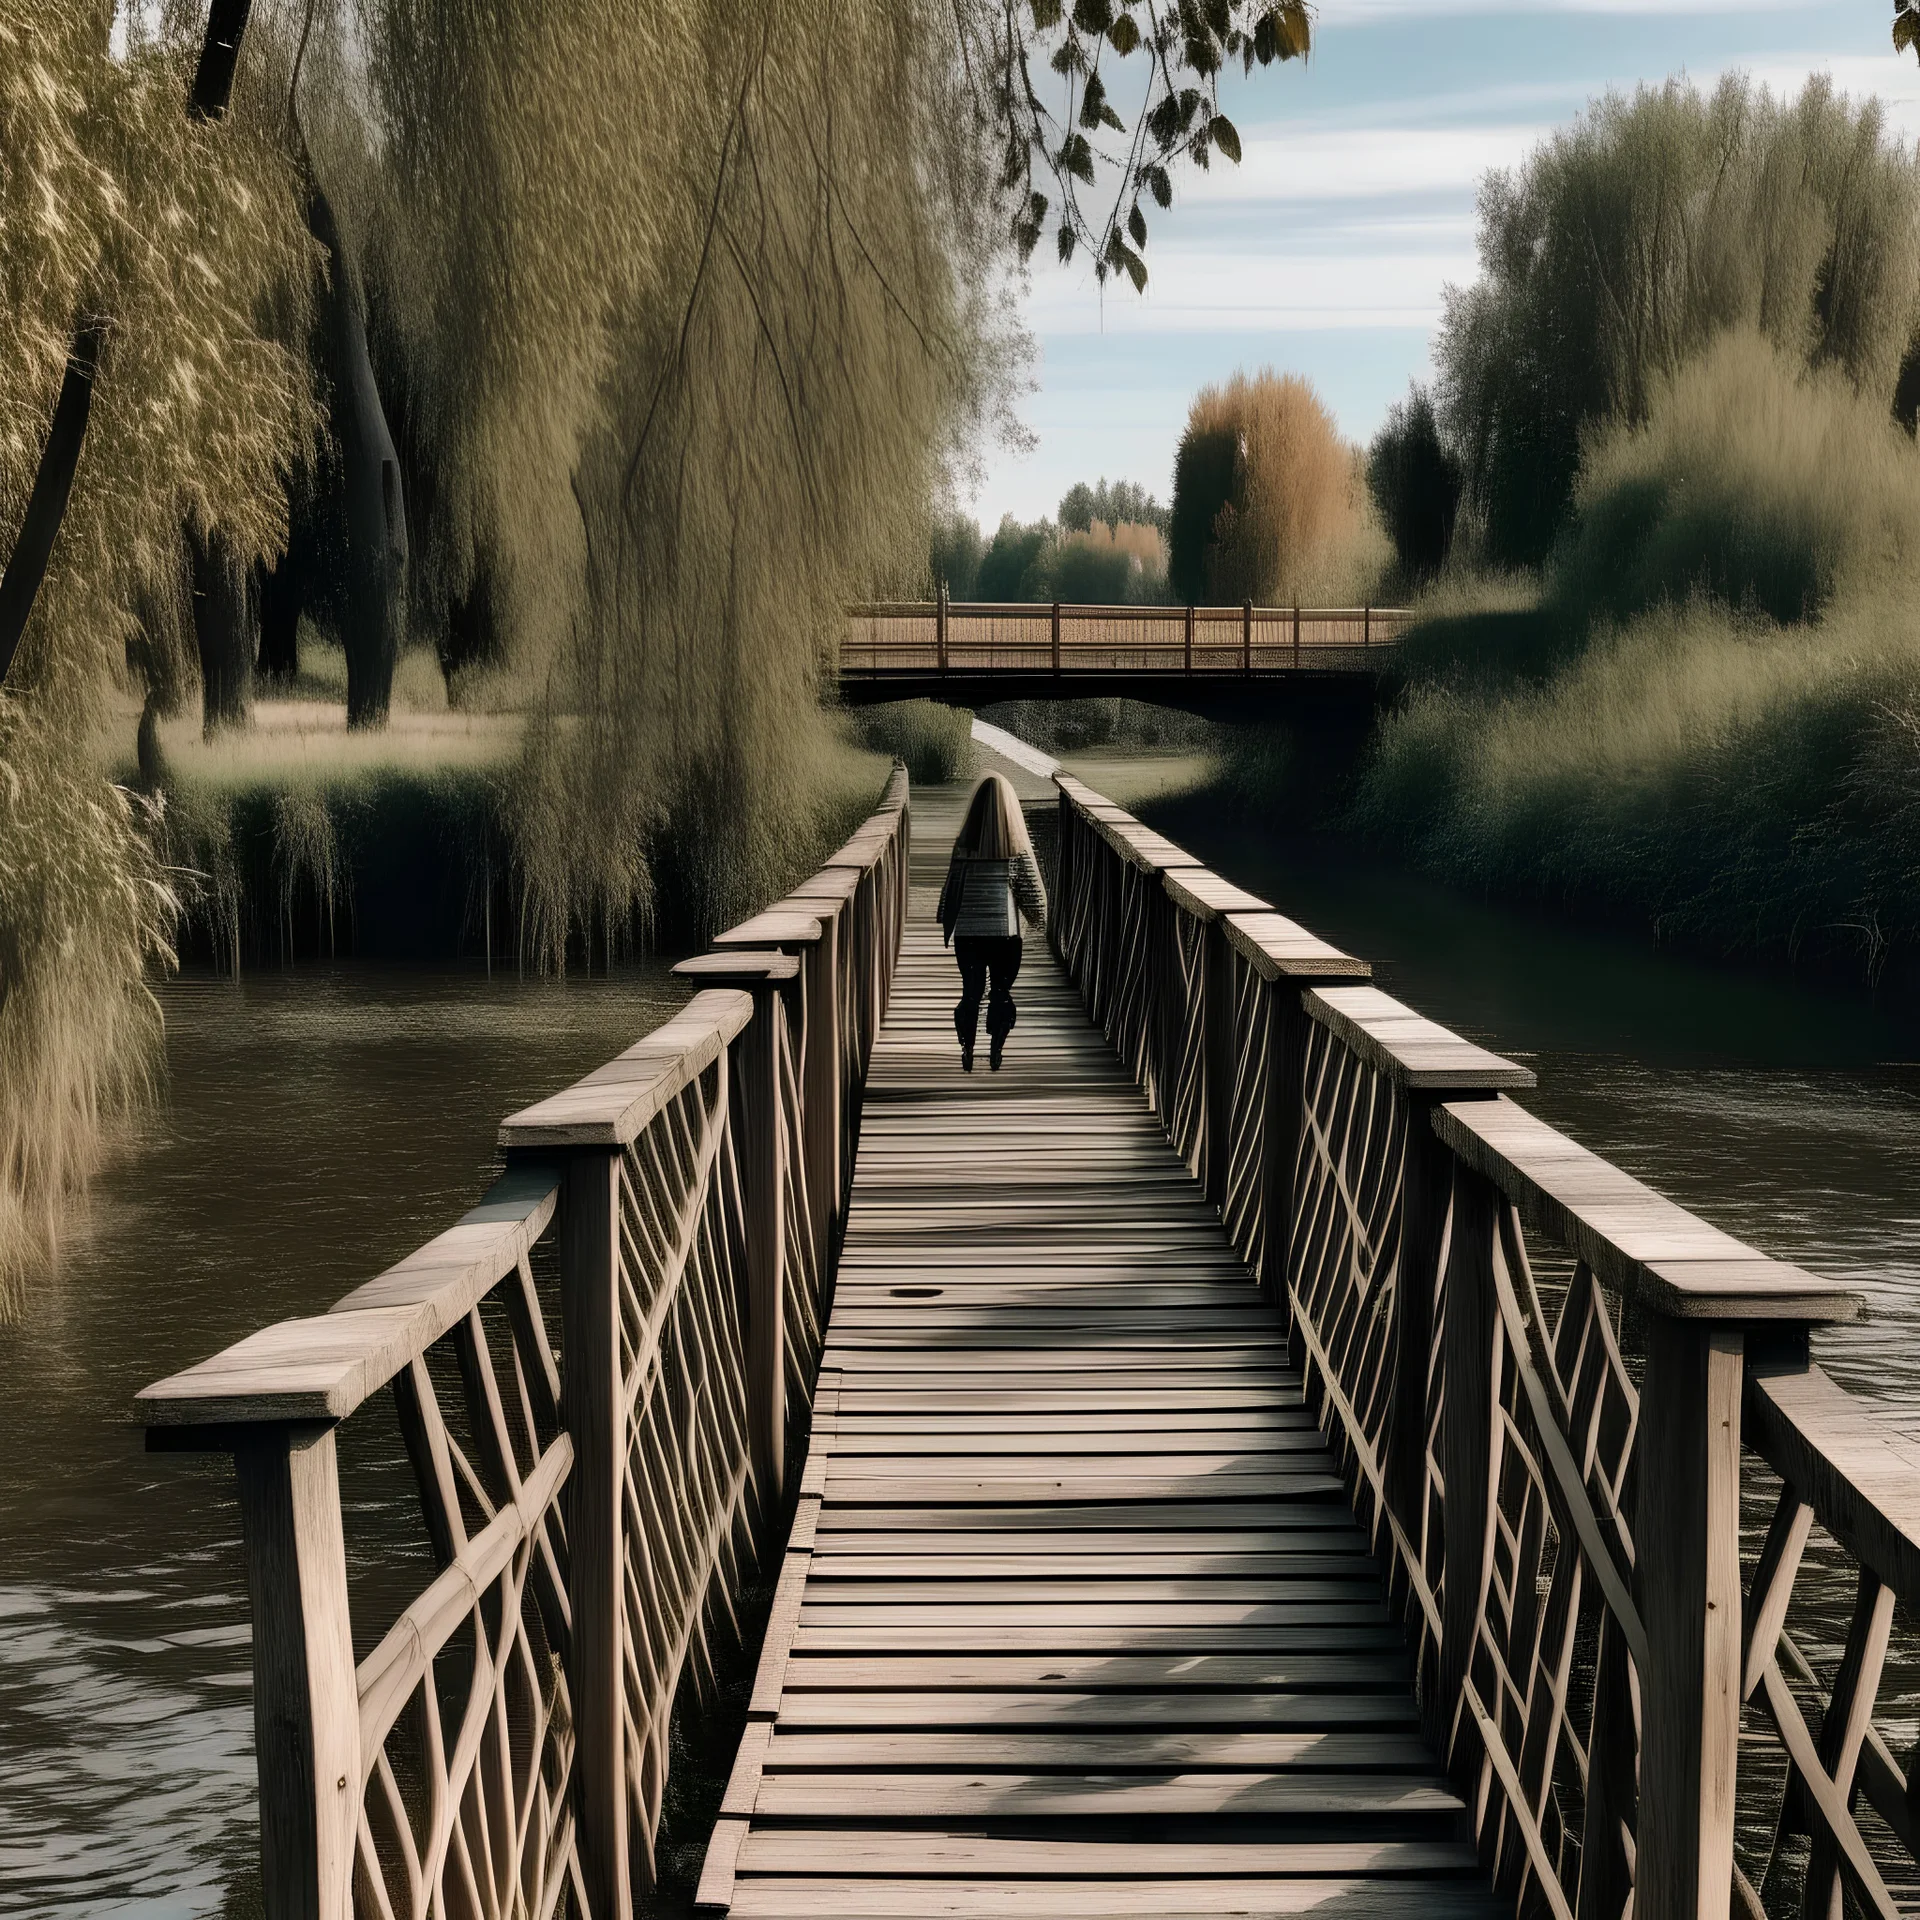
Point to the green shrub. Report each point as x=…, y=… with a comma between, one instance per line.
x=1711, y=714
x=1749, y=484
x=935, y=741
x=1007, y=566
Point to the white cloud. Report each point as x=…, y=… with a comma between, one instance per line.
x=1289, y=164
x=1262, y=288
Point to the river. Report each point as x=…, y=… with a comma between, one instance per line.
x=318, y=1125
x=1787, y=1114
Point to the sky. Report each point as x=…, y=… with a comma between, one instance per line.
x=1327, y=250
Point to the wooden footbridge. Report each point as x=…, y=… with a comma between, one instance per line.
x=1234, y=1461
x=1223, y=661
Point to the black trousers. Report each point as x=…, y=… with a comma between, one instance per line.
x=981, y=960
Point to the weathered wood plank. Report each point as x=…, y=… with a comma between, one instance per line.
x=842, y=1853
x=1634, y=1239
x=1041, y=1796
x=1346, y=1707
x=781, y=1898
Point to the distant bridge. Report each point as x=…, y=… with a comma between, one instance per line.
x=1219, y=661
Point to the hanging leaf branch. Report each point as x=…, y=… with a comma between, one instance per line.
x=1099, y=102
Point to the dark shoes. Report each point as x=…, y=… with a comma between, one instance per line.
x=966, y=1060
x=993, y=1057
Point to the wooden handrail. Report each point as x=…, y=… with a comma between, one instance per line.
x=1407, y=1047
x=594, y=1492
x=1557, y=1487
x=1042, y=611
x=327, y=1365
x=1636, y=1241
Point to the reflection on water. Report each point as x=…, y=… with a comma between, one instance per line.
x=1786, y=1115
x=319, y=1126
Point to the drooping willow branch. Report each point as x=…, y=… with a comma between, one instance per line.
x=207, y=99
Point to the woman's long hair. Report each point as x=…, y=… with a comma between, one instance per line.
x=995, y=828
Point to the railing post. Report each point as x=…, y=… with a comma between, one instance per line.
x=1296, y=636
x=1189, y=645
x=1217, y=1040
x=306, y=1705
x=1246, y=638
x=940, y=625
x=1466, y=1429
x=1366, y=626
x=1687, y=1563
x=1427, y=1187
x=1056, y=638
x=820, y=1088
x=1285, y=1122
x=759, y=1141
x=593, y=1410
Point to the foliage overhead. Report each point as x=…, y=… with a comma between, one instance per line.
x=1076, y=110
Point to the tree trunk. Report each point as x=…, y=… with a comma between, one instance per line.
x=47, y=504
x=280, y=599
x=223, y=628
x=374, y=497
x=219, y=55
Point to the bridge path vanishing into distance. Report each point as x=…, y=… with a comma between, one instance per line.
x=1077, y=1618
x=1235, y=1461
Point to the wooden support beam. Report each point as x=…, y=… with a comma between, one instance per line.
x=1466, y=1339
x=761, y=1147
x=1687, y=1536
x=593, y=1404
x=306, y=1706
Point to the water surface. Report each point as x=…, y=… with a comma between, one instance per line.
x=1785, y=1113
x=319, y=1125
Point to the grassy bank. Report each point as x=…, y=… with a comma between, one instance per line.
x=1705, y=713
x=295, y=837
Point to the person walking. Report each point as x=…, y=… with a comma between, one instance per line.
x=992, y=881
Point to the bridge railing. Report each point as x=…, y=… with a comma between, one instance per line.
x=592, y=1385
x=919, y=639
x=1554, y=1393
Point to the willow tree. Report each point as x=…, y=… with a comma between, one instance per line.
x=671, y=320
x=160, y=242
x=678, y=383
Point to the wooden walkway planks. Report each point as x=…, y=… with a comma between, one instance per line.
x=1075, y=1619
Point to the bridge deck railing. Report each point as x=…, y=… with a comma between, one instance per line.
x=918, y=639
x=593, y=1385
x=1555, y=1392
